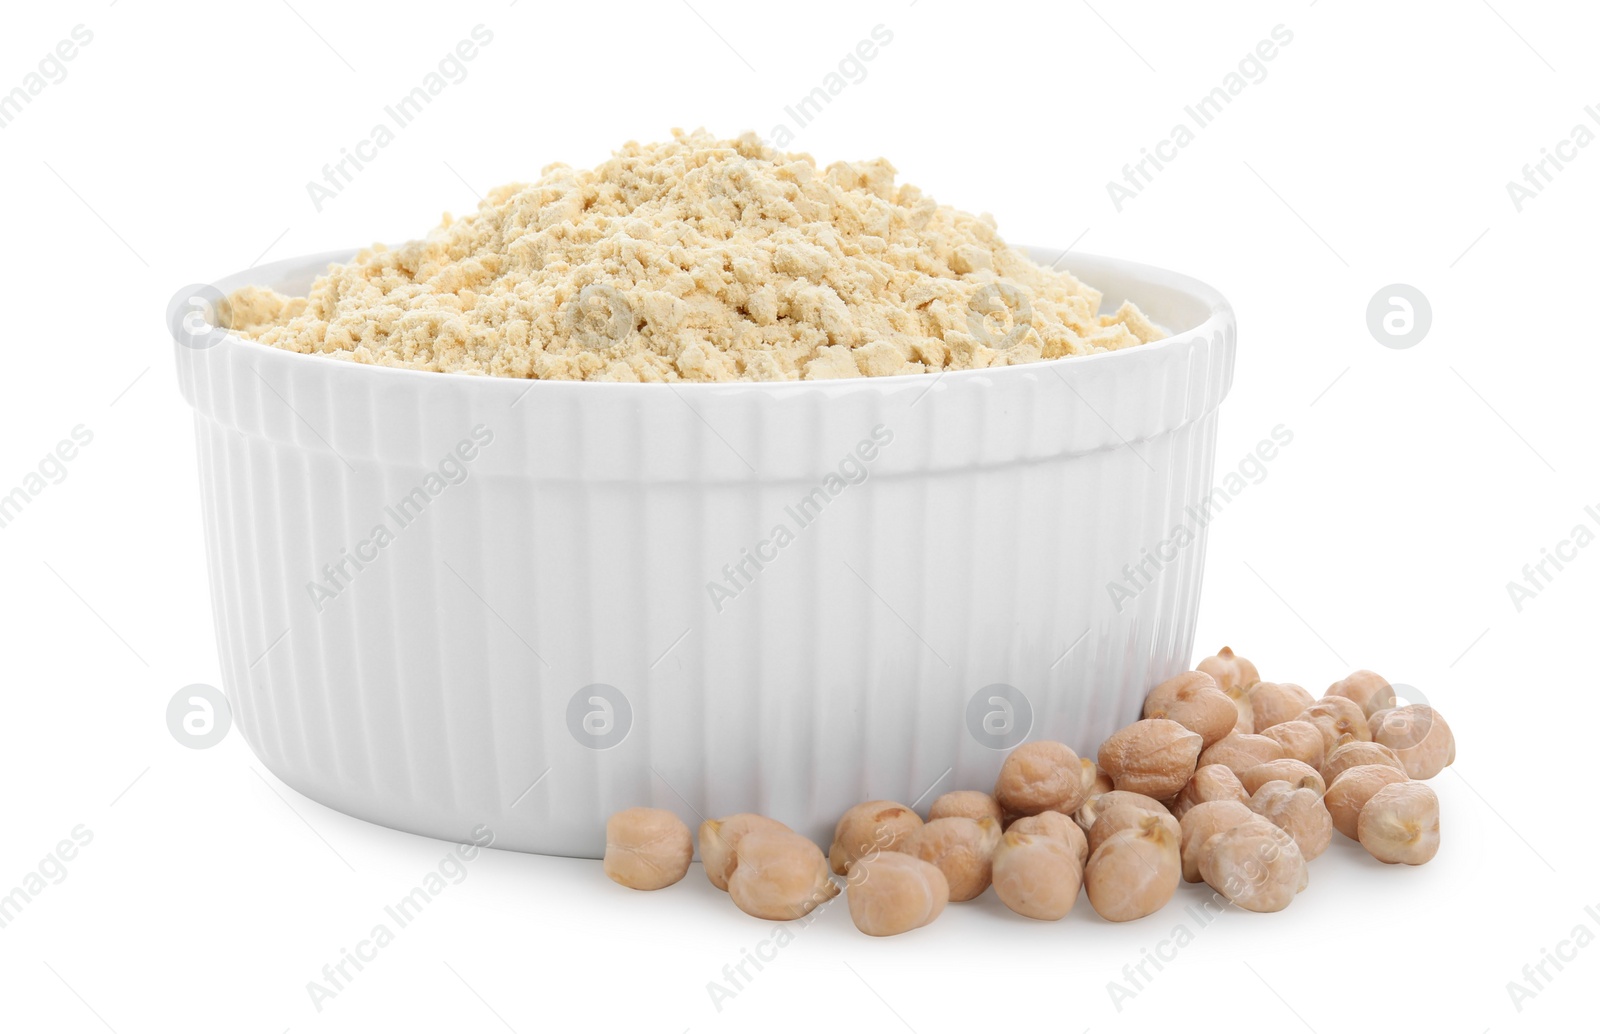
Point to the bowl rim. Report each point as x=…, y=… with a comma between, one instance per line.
x=1219, y=316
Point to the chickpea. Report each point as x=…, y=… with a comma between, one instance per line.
x=1202, y=822
x=1134, y=873
x=1339, y=718
x=1240, y=751
x=1040, y=776
x=1400, y=824
x=1369, y=690
x=1036, y=876
x=1356, y=753
x=1100, y=803
x=966, y=804
x=1301, y=741
x=891, y=893
x=1234, y=676
x=1419, y=737
x=961, y=848
x=1272, y=703
x=1295, y=773
x=1299, y=812
x=1351, y=791
x=647, y=848
x=1129, y=816
x=1055, y=824
x=1154, y=756
x=1194, y=702
x=1230, y=670
x=1246, y=723
x=719, y=843
x=780, y=875
x=1210, y=783
x=1255, y=865
x=1378, y=719
x=869, y=827
x=1094, y=780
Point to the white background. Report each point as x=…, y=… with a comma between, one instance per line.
x=1419, y=482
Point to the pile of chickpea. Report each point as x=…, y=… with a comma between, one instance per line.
x=1226, y=779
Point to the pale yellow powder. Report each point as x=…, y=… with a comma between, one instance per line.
x=698, y=260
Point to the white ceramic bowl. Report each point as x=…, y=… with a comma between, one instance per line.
x=515, y=628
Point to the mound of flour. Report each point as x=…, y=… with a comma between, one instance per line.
x=697, y=259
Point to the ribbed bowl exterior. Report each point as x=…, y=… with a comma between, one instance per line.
x=444, y=602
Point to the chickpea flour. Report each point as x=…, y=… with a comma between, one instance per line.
x=698, y=259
